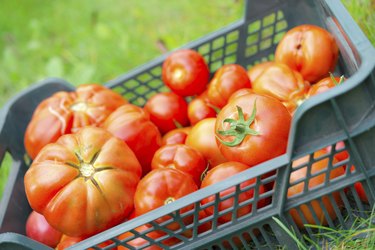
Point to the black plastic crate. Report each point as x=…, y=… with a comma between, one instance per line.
x=345, y=114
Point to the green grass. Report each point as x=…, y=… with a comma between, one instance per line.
x=95, y=41
x=361, y=235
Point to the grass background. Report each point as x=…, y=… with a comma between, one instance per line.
x=95, y=41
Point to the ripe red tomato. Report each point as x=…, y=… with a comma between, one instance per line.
x=257, y=69
x=281, y=82
x=167, y=111
x=185, y=72
x=317, y=167
x=139, y=242
x=325, y=84
x=342, y=155
x=66, y=112
x=202, y=138
x=239, y=93
x=181, y=157
x=200, y=108
x=84, y=183
x=176, y=136
x=160, y=187
x=222, y=172
x=37, y=228
x=227, y=80
x=309, y=49
x=132, y=124
x=359, y=188
x=252, y=128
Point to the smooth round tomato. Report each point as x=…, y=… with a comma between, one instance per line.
x=257, y=69
x=200, y=108
x=167, y=111
x=160, y=187
x=185, y=72
x=310, y=50
x=138, y=242
x=84, y=183
x=202, y=138
x=37, y=228
x=176, y=136
x=227, y=79
x=67, y=112
x=281, y=82
x=222, y=172
x=132, y=124
x=325, y=84
x=252, y=128
x=181, y=157
x=319, y=166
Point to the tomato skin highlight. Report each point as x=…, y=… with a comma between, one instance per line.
x=84, y=183
x=67, y=112
x=271, y=121
x=185, y=72
x=309, y=49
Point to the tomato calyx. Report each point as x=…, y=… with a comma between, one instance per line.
x=169, y=200
x=334, y=80
x=87, y=169
x=238, y=128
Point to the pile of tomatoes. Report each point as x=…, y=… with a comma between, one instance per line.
x=99, y=161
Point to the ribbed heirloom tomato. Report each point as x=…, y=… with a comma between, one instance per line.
x=181, y=157
x=160, y=187
x=132, y=124
x=84, y=183
x=283, y=83
x=66, y=112
x=252, y=128
x=227, y=80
